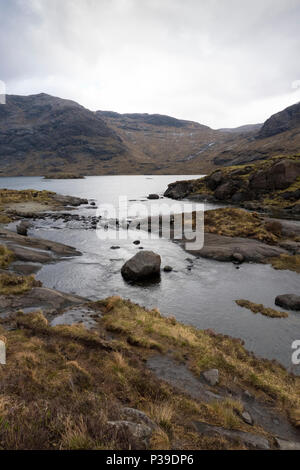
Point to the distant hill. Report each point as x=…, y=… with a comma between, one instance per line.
x=43, y=135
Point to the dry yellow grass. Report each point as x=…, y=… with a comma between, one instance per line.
x=291, y=262
x=13, y=284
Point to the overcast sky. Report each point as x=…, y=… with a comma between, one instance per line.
x=223, y=63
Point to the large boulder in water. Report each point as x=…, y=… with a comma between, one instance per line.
x=288, y=301
x=144, y=265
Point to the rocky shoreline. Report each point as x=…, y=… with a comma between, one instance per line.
x=271, y=186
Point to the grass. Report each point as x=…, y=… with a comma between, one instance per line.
x=234, y=222
x=63, y=385
x=13, y=284
x=6, y=256
x=259, y=308
x=284, y=261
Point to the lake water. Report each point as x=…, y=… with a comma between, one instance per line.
x=199, y=292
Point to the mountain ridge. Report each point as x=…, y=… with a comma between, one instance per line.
x=42, y=134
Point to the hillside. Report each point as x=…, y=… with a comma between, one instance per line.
x=41, y=133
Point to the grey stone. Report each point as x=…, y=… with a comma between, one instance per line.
x=211, y=376
x=288, y=301
x=145, y=264
x=249, y=439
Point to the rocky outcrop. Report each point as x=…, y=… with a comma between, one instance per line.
x=144, y=265
x=288, y=301
x=271, y=185
x=280, y=122
x=179, y=189
x=48, y=300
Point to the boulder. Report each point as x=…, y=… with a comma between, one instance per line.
x=22, y=228
x=153, y=196
x=288, y=301
x=145, y=264
x=225, y=191
x=214, y=180
x=179, y=189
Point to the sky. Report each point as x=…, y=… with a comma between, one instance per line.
x=223, y=63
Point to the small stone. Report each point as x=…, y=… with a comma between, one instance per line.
x=168, y=269
x=115, y=247
x=136, y=242
x=238, y=258
x=211, y=376
x=153, y=196
x=247, y=418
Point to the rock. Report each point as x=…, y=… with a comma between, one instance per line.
x=139, y=431
x=137, y=416
x=92, y=203
x=288, y=301
x=279, y=176
x=137, y=242
x=39, y=297
x=225, y=191
x=179, y=189
x=168, y=269
x=282, y=444
x=115, y=247
x=153, y=196
x=27, y=254
x=248, y=395
x=214, y=180
x=22, y=228
x=221, y=248
x=249, y=439
x=247, y=418
x=211, y=376
x=238, y=258
x=145, y=264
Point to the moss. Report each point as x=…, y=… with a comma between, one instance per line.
x=290, y=262
x=259, y=308
x=6, y=256
x=12, y=284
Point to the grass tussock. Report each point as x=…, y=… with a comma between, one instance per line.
x=6, y=257
x=13, y=284
x=284, y=261
x=259, y=308
x=234, y=222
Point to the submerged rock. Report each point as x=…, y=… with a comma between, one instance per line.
x=145, y=264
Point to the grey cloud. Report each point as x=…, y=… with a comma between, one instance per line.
x=219, y=62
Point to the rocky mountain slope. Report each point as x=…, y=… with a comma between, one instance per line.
x=42, y=134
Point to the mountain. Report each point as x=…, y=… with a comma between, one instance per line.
x=41, y=134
